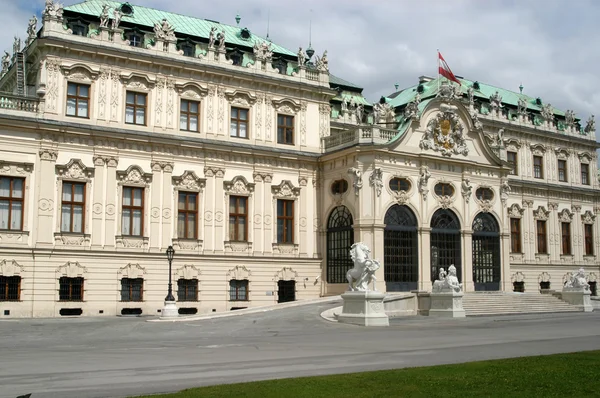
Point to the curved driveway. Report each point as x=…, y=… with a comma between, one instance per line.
x=117, y=357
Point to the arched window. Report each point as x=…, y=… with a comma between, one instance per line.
x=445, y=242
x=401, y=267
x=340, y=236
x=486, y=253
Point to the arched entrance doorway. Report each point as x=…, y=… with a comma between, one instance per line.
x=340, y=236
x=486, y=253
x=445, y=243
x=401, y=267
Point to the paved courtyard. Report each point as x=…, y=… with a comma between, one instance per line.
x=117, y=357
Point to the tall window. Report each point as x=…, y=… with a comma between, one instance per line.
x=238, y=290
x=189, y=115
x=238, y=218
x=589, y=239
x=562, y=170
x=10, y=288
x=70, y=289
x=73, y=207
x=285, y=221
x=132, y=289
x=11, y=203
x=511, y=157
x=542, y=247
x=285, y=129
x=565, y=228
x=135, y=108
x=187, y=215
x=239, y=123
x=538, y=167
x=515, y=235
x=78, y=100
x=585, y=174
x=187, y=290
x=133, y=211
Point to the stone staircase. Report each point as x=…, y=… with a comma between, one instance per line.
x=505, y=303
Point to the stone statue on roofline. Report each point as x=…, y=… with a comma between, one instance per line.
x=53, y=10
x=359, y=111
x=211, y=37
x=569, y=118
x=5, y=62
x=496, y=101
x=471, y=95
x=548, y=113
x=31, y=29
x=164, y=30
x=117, y=15
x=16, y=46
x=104, y=16
x=301, y=57
x=323, y=62
x=590, y=126
x=221, y=38
x=522, y=107
x=344, y=105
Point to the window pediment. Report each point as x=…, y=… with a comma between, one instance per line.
x=75, y=170
x=132, y=270
x=515, y=211
x=285, y=190
x=134, y=175
x=240, y=98
x=79, y=72
x=238, y=186
x=541, y=213
x=15, y=168
x=585, y=157
x=239, y=272
x=565, y=216
x=286, y=105
x=588, y=217
x=561, y=153
x=538, y=149
x=188, y=272
x=71, y=269
x=192, y=91
x=10, y=268
x=189, y=181
x=137, y=81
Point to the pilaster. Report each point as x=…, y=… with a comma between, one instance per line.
x=554, y=233
x=425, y=259
x=48, y=201
x=467, y=260
x=268, y=214
x=577, y=234
x=110, y=200
x=259, y=243
x=97, y=229
x=506, y=283
x=303, y=214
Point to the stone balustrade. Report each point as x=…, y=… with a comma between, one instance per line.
x=19, y=103
x=366, y=134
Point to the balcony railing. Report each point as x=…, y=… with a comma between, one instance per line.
x=366, y=134
x=19, y=103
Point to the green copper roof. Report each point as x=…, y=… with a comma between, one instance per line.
x=335, y=81
x=485, y=91
x=185, y=25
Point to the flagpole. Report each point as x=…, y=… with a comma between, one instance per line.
x=438, y=70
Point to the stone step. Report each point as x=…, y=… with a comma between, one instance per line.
x=497, y=303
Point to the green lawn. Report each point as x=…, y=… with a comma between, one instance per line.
x=563, y=375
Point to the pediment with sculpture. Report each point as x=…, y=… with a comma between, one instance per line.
x=445, y=133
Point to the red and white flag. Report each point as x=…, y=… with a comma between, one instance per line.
x=444, y=69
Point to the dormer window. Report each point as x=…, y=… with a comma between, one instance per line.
x=189, y=49
x=236, y=56
x=126, y=9
x=245, y=34
x=136, y=39
x=79, y=28
x=281, y=66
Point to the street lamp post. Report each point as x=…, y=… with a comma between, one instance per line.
x=170, y=309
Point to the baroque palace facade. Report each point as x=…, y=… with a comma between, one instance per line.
x=124, y=130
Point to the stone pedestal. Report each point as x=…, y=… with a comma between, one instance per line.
x=579, y=297
x=363, y=308
x=447, y=304
x=170, y=310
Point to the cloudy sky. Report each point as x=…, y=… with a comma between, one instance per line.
x=549, y=46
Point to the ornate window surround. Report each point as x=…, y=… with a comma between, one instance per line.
x=71, y=269
x=239, y=186
x=192, y=92
x=188, y=181
x=138, y=83
x=134, y=176
x=80, y=74
x=287, y=107
x=445, y=201
x=22, y=170
x=132, y=271
x=541, y=214
x=286, y=191
x=74, y=171
x=239, y=272
x=401, y=197
x=241, y=99
x=11, y=268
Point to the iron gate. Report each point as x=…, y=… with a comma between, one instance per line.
x=486, y=253
x=445, y=243
x=286, y=291
x=340, y=237
x=401, y=267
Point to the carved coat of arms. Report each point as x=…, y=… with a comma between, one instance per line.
x=444, y=133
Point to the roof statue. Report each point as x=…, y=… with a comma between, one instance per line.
x=31, y=29
x=471, y=95
x=590, y=126
x=522, y=107
x=53, y=10
x=344, y=105
x=16, y=46
x=359, y=111
x=211, y=37
x=5, y=62
x=363, y=272
x=117, y=15
x=449, y=91
x=548, y=113
x=221, y=38
x=570, y=118
x=301, y=57
x=496, y=101
x=323, y=63
x=164, y=30
x=104, y=16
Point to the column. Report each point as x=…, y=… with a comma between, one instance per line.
x=98, y=203
x=48, y=199
x=467, y=259
x=110, y=186
x=425, y=259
